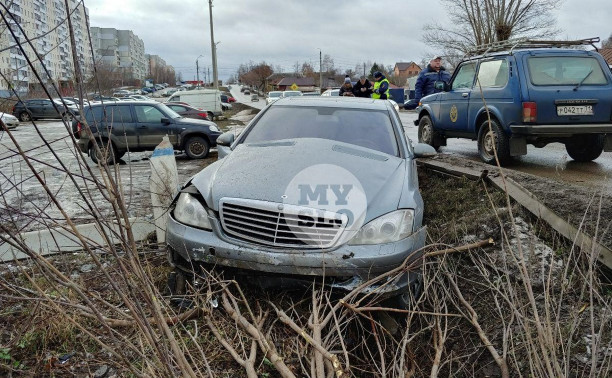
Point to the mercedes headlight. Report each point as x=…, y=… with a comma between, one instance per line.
x=386, y=229
x=190, y=211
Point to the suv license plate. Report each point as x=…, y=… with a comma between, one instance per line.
x=569, y=110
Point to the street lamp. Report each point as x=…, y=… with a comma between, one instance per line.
x=198, y=70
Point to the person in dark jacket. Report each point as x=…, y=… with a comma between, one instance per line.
x=347, y=88
x=425, y=82
x=362, y=88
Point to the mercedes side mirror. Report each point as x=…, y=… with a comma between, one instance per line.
x=226, y=139
x=422, y=150
x=224, y=143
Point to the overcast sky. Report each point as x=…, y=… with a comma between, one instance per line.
x=283, y=32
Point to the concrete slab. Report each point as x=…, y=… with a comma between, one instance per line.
x=59, y=240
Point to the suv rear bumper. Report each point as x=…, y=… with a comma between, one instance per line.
x=561, y=130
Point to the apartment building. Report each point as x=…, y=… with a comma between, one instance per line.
x=121, y=50
x=45, y=23
x=158, y=70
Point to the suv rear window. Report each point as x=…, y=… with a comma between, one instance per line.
x=565, y=70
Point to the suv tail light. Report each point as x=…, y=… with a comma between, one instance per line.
x=204, y=115
x=79, y=127
x=13, y=110
x=530, y=112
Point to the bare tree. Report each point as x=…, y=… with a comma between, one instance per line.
x=478, y=22
x=607, y=43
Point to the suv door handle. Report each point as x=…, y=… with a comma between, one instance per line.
x=464, y=94
x=142, y=127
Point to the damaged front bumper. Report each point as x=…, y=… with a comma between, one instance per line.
x=345, y=267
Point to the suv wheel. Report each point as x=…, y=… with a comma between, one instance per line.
x=427, y=134
x=197, y=148
x=585, y=147
x=211, y=116
x=25, y=117
x=491, y=140
x=105, y=153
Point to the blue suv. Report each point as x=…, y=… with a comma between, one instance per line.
x=533, y=95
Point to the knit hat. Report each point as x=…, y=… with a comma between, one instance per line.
x=347, y=80
x=378, y=74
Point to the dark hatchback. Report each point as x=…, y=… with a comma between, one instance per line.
x=140, y=126
x=43, y=108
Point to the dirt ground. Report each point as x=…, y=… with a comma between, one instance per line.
x=581, y=206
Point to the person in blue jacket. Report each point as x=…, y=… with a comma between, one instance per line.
x=425, y=82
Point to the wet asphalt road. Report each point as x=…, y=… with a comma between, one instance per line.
x=19, y=188
x=551, y=161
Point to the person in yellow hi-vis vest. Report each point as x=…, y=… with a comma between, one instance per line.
x=381, y=86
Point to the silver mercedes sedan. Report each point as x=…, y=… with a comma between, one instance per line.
x=313, y=187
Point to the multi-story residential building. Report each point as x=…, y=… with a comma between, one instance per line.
x=158, y=70
x=44, y=23
x=121, y=50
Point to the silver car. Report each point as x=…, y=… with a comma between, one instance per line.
x=10, y=121
x=312, y=187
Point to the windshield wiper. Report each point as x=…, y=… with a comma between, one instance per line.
x=583, y=79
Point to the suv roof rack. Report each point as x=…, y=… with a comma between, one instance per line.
x=518, y=43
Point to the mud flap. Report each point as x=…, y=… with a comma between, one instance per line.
x=607, y=143
x=518, y=146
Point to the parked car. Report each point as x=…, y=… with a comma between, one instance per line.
x=331, y=92
x=209, y=99
x=98, y=97
x=246, y=92
x=273, y=96
x=169, y=92
x=226, y=106
x=139, y=126
x=43, y=108
x=265, y=209
x=10, y=121
x=227, y=99
x=147, y=89
x=254, y=97
x=291, y=94
x=140, y=98
x=533, y=96
x=185, y=110
x=394, y=104
x=122, y=93
x=311, y=94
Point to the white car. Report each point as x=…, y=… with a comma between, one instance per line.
x=395, y=105
x=273, y=96
x=291, y=94
x=10, y=121
x=331, y=92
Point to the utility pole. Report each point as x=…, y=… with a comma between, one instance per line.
x=197, y=74
x=363, y=68
x=320, y=71
x=208, y=77
x=213, y=45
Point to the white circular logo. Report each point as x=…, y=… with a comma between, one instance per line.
x=324, y=205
